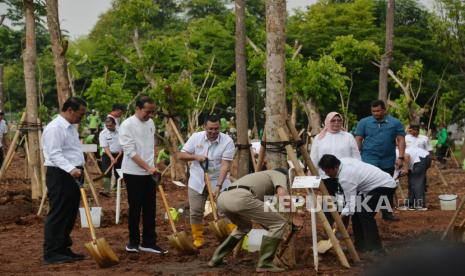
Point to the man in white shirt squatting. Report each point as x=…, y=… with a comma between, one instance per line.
x=373, y=185
x=64, y=160
x=219, y=149
x=415, y=139
x=137, y=138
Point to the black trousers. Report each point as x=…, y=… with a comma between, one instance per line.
x=441, y=153
x=63, y=195
x=364, y=224
x=331, y=185
x=106, y=162
x=141, y=199
x=384, y=212
x=1, y=156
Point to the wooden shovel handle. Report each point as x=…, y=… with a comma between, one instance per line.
x=167, y=208
x=109, y=168
x=210, y=195
x=88, y=217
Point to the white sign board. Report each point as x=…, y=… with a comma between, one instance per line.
x=89, y=147
x=302, y=182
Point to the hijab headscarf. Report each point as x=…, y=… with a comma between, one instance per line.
x=327, y=129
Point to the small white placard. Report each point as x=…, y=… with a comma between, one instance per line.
x=89, y=147
x=301, y=182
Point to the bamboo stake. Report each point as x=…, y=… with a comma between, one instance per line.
x=12, y=147
x=337, y=218
x=441, y=176
x=452, y=155
x=299, y=171
x=176, y=131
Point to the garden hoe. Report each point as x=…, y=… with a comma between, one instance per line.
x=219, y=226
x=178, y=240
x=99, y=249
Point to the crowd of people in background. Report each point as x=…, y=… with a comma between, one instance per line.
x=367, y=161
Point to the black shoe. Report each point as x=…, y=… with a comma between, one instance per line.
x=390, y=217
x=153, y=249
x=132, y=248
x=59, y=259
x=75, y=256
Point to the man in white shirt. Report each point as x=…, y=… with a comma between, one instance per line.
x=3, y=136
x=109, y=141
x=419, y=163
x=415, y=139
x=64, y=160
x=137, y=138
x=372, y=184
x=218, y=148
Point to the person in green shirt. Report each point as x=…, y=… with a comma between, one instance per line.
x=93, y=122
x=442, y=144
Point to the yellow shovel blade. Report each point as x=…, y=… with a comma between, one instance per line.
x=220, y=229
x=182, y=243
x=102, y=253
x=323, y=246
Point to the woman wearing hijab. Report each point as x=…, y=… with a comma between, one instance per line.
x=334, y=140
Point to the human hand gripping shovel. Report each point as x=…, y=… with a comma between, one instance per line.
x=99, y=249
x=178, y=240
x=219, y=227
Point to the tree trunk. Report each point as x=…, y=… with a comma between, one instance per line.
x=59, y=48
x=29, y=59
x=276, y=109
x=1, y=88
x=387, y=57
x=313, y=115
x=177, y=165
x=242, y=122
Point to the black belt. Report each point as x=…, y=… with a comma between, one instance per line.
x=239, y=187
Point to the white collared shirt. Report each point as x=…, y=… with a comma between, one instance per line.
x=3, y=131
x=221, y=149
x=421, y=141
x=137, y=137
x=61, y=145
x=357, y=176
x=341, y=144
x=110, y=139
x=415, y=154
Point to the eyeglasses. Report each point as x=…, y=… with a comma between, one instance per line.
x=336, y=121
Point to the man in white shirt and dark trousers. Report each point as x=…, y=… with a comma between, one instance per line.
x=3, y=136
x=109, y=141
x=372, y=184
x=415, y=139
x=137, y=138
x=64, y=160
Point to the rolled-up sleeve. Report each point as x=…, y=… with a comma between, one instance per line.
x=127, y=141
x=228, y=153
x=52, y=142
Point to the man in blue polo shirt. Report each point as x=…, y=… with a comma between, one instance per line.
x=376, y=137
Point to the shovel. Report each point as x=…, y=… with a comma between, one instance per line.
x=219, y=227
x=324, y=245
x=178, y=240
x=109, y=169
x=99, y=249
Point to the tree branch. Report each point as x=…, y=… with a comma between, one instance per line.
x=2, y=17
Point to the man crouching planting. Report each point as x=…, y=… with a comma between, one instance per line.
x=243, y=202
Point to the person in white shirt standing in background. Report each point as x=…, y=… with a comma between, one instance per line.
x=64, y=160
x=415, y=139
x=333, y=139
x=137, y=138
x=3, y=136
x=109, y=141
x=219, y=149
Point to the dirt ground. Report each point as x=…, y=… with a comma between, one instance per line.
x=21, y=235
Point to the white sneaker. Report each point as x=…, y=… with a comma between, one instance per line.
x=421, y=209
x=153, y=249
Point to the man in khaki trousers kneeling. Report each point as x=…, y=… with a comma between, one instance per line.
x=243, y=202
